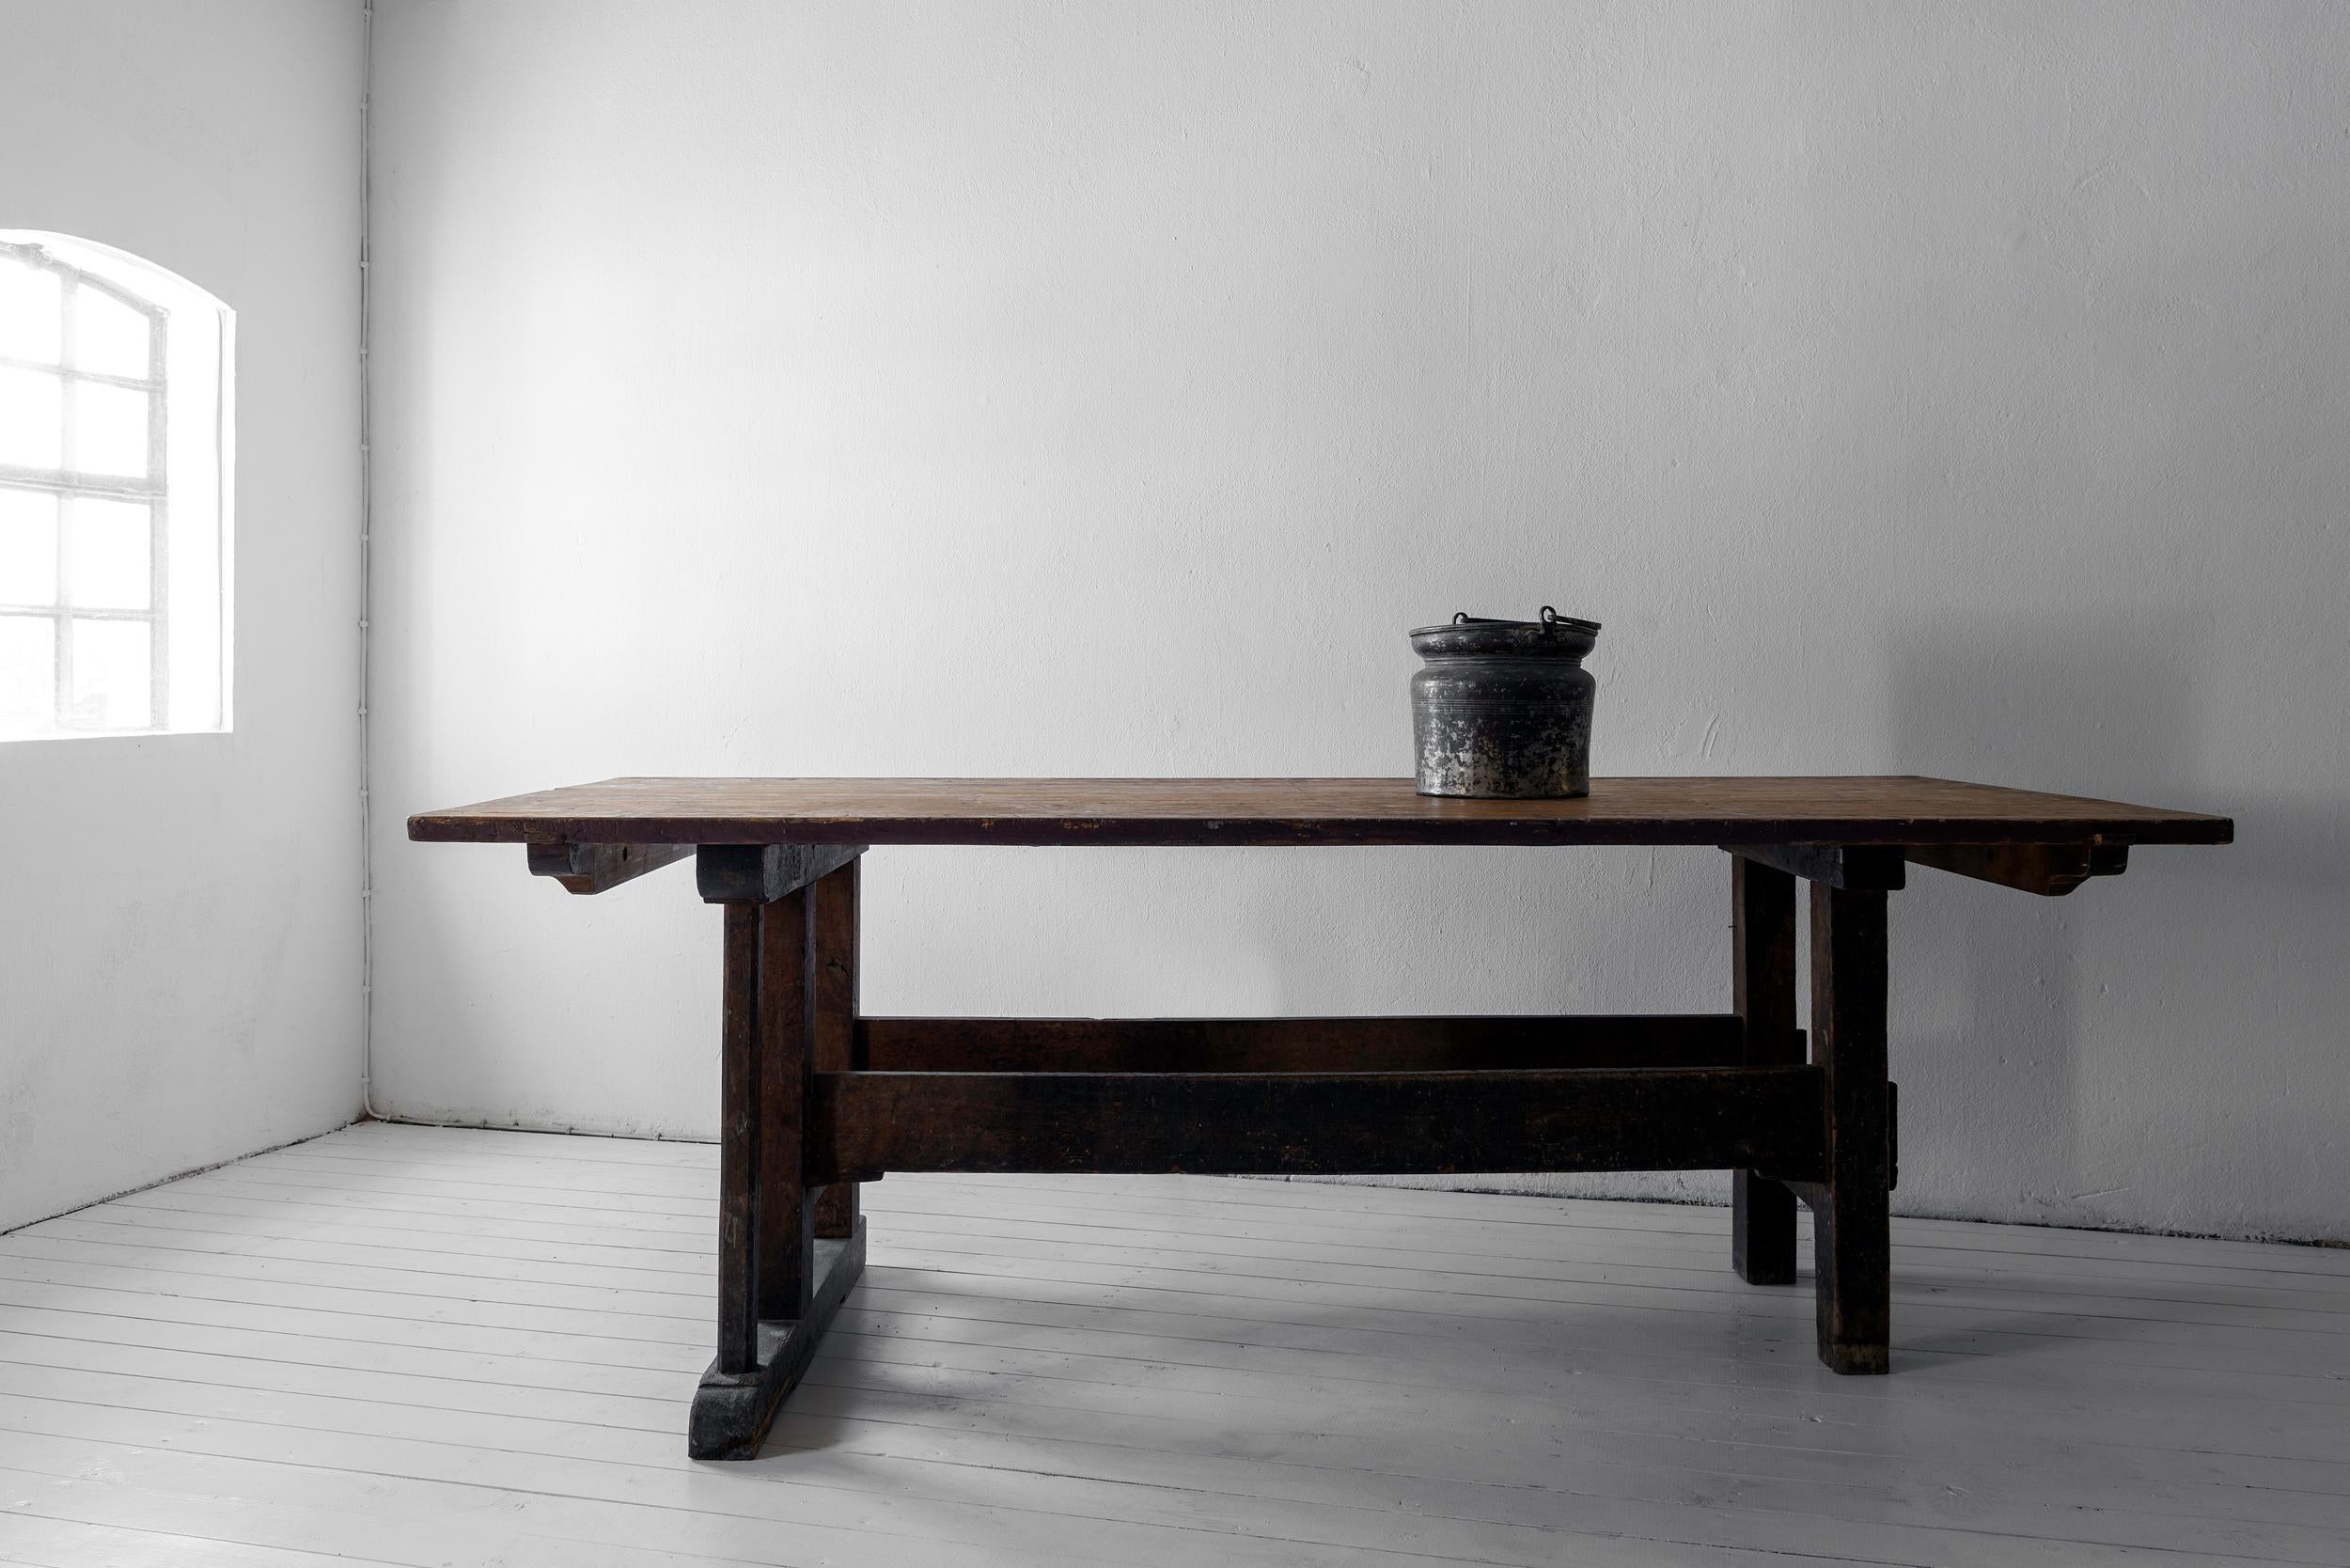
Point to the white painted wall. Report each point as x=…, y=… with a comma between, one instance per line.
x=1007, y=388
x=179, y=914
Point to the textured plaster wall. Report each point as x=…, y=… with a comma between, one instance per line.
x=1001, y=388
x=179, y=914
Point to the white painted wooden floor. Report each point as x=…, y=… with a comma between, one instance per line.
x=431, y=1347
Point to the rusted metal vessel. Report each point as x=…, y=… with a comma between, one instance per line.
x=1502, y=709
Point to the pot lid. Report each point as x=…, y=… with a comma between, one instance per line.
x=1554, y=634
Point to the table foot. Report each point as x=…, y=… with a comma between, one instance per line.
x=1851, y=1360
x=732, y=1411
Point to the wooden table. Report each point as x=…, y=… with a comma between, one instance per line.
x=817, y=1097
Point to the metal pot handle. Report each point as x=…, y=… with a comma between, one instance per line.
x=1462, y=618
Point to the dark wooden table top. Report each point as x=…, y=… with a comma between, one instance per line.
x=1833, y=810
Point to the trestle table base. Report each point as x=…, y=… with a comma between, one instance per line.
x=816, y=1099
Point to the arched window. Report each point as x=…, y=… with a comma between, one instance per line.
x=115, y=468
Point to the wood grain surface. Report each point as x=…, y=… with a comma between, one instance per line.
x=1826, y=811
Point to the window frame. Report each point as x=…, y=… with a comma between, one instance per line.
x=65, y=481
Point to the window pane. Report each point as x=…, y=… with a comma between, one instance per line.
x=111, y=675
x=30, y=423
x=28, y=547
x=31, y=309
x=109, y=336
x=28, y=674
x=107, y=543
x=109, y=430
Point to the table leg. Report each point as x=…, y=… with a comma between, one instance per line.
x=778, y=1286
x=787, y=1016
x=837, y=1049
x=1762, y=936
x=738, y=1146
x=1851, y=1220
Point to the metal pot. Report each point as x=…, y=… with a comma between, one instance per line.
x=1503, y=707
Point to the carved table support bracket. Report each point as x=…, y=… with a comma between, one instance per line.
x=764, y=874
x=595, y=868
x=2051, y=871
x=1856, y=868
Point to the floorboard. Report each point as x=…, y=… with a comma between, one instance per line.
x=412, y=1345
